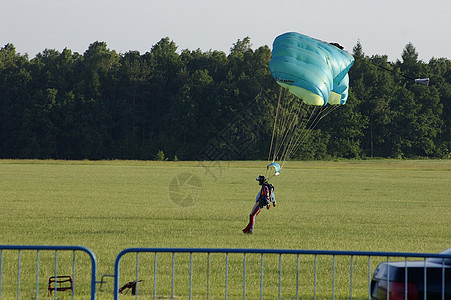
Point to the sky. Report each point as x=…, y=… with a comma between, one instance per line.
x=383, y=27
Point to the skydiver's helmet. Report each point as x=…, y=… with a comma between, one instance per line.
x=261, y=179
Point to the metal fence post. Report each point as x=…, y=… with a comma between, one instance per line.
x=208, y=276
x=73, y=275
x=244, y=276
x=37, y=275
x=137, y=275
x=1, y=268
x=227, y=275
x=154, y=276
x=369, y=277
x=314, y=280
x=173, y=275
x=280, y=276
x=18, y=275
x=261, y=278
x=297, y=276
x=405, y=279
x=190, y=274
x=333, y=277
x=352, y=271
x=425, y=279
x=388, y=279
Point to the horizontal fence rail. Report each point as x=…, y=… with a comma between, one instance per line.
x=277, y=277
x=20, y=266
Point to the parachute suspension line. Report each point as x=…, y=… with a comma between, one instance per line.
x=280, y=128
x=327, y=111
x=318, y=117
x=285, y=123
x=293, y=137
x=293, y=124
x=323, y=112
x=301, y=135
x=274, y=128
x=277, y=129
x=282, y=122
x=315, y=116
x=307, y=131
x=287, y=128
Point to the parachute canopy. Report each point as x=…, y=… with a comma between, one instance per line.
x=313, y=70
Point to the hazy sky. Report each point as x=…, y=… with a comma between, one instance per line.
x=383, y=26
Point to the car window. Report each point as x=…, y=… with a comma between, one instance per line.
x=437, y=260
x=440, y=260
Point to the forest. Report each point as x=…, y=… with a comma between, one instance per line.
x=171, y=104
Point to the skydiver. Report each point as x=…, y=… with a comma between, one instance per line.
x=264, y=198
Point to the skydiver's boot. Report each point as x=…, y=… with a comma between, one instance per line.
x=247, y=229
x=250, y=227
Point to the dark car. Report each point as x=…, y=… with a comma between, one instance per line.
x=435, y=269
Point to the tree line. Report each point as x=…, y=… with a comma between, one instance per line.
x=195, y=105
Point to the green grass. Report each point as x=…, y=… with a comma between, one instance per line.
x=107, y=206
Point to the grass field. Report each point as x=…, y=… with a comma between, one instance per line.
x=107, y=206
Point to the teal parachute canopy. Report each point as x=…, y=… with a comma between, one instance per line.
x=313, y=70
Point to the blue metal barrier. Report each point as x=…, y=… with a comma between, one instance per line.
x=21, y=248
x=247, y=256
x=262, y=252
